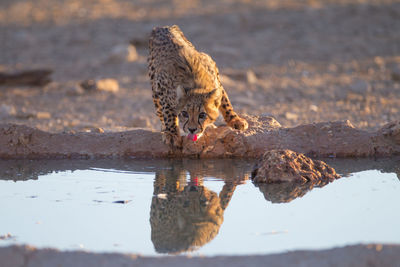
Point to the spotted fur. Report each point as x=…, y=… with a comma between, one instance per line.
x=186, y=87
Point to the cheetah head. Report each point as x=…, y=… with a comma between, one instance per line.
x=198, y=109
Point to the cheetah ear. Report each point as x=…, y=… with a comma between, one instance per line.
x=180, y=91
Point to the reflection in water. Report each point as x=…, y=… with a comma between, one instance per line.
x=184, y=214
x=286, y=192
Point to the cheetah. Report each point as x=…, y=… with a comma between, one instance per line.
x=185, y=214
x=186, y=87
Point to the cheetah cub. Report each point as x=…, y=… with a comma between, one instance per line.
x=186, y=87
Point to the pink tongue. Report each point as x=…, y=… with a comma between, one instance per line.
x=192, y=137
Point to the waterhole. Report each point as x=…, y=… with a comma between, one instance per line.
x=207, y=207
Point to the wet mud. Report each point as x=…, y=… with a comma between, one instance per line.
x=325, y=139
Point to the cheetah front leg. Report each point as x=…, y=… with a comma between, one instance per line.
x=230, y=116
x=168, y=117
x=171, y=135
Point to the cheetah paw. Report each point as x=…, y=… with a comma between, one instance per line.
x=239, y=124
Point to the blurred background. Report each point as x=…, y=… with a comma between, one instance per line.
x=69, y=65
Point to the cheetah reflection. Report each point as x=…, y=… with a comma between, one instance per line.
x=185, y=214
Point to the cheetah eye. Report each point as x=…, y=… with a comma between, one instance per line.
x=185, y=114
x=202, y=115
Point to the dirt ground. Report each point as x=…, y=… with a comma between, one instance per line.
x=298, y=61
x=361, y=255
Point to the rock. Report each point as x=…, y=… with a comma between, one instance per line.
x=123, y=52
x=106, y=85
x=97, y=130
x=251, y=77
x=284, y=192
x=314, y=108
x=279, y=166
x=291, y=116
x=324, y=139
x=43, y=115
x=88, y=85
x=392, y=131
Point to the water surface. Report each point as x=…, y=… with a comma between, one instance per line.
x=196, y=207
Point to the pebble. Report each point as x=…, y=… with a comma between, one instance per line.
x=123, y=52
x=251, y=77
x=291, y=116
x=106, y=85
x=97, y=130
x=314, y=108
x=43, y=115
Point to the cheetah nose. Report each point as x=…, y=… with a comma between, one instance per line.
x=192, y=130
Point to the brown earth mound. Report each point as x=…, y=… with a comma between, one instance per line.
x=328, y=139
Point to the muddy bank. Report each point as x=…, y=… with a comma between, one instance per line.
x=359, y=255
x=327, y=139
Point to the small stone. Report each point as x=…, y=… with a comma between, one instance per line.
x=43, y=115
x=291, y=116
x=392, y=131
x=97, y=130
x=379, y=61
x=251, y=77
x=107, y=85
x=314, y=108
x=88, y=85
x=122, y=52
